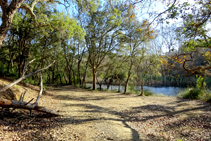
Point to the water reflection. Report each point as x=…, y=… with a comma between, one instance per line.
x=167, y=91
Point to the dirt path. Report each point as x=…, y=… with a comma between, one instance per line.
x=98, y=116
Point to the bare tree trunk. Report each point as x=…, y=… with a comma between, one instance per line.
x=119, y=83
x=129, y=73
x=142, y=90
x=79, y=73
x=74, y=80
x=65, y=78
x=84, y=76
x=41, y=89
x=126, y=84
x=60, y=77
x=94, y=79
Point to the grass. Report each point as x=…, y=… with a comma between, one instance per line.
x=148, y=93
x=195, y=93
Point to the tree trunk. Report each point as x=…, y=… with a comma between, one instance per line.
x=69, y=77
x=142, y=90
x=79, y=74
x=94, y=79
x=119, y=86
x=65, y=78
x=84, y=76
x=100, y=86
x=74, y=80
x=128, y=77
x=119, y=83
x=60, y=77
x=53, y=74
x=126, y=84
x=8, y=12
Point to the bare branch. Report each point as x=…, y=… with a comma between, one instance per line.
x=41, y=89
x=24, y=69
x=24, y=77
x=163, y=12
x=29, y=101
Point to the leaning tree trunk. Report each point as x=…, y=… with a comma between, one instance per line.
x=126, y=84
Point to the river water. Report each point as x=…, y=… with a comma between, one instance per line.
x=167, y=91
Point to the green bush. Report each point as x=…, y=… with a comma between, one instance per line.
x=191, y=93
x=148, y=93
x=199, y=83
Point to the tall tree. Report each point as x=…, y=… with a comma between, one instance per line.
x=102, y=31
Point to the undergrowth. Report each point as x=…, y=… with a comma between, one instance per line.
x=195, y=93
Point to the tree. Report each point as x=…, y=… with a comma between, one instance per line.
x=194, y=30
x=102, y=31
x=136, y=33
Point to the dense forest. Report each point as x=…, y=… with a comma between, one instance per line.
x=108, y=42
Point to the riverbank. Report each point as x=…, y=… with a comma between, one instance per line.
x=166, y=91
x=91, y=115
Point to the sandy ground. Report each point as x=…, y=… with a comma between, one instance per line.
x=98, y=116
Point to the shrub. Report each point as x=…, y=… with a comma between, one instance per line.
x=191, y=93
x=148, y=93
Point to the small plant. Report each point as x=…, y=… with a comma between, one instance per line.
x=199, y=83
x=44, y=87
x=18, y=87
x=78, y=85
x=148, y=93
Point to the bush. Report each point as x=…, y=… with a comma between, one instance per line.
x=191, y=93
x=148, y=93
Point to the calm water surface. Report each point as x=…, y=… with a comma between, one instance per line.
x=167, y=91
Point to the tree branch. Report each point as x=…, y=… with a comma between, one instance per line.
x=24, y=77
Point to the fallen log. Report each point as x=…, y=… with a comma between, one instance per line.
x=4, y=103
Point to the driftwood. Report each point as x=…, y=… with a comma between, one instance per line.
x=26, y=105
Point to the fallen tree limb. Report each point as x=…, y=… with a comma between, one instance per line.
x=26, y=105
x=4, y=103
x=24, y=77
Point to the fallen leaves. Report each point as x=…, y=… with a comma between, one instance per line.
x=156, y=124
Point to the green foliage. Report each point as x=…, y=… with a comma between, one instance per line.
x=44, y=87
x=195, y=93
x=3, y=72
x=131, y=89
x=16, y=86
x=148, y=93
x=191, y=93
x=31, y=81
x=199, y=82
